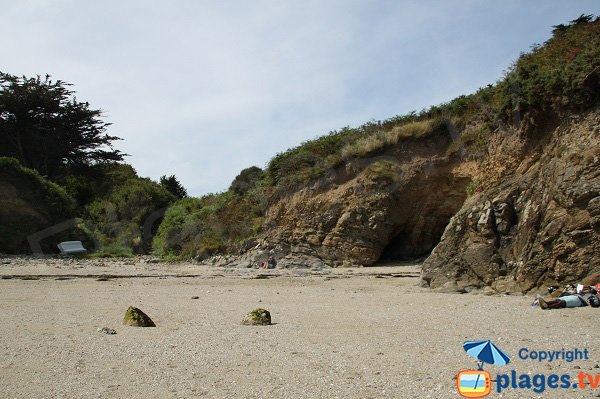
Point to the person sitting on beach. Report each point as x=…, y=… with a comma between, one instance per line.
x=571, y=301
x=271, y=263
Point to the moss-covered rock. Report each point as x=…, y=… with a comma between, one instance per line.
x=258, y=317
x=136, y=318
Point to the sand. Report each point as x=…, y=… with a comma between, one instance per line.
x=341, y=333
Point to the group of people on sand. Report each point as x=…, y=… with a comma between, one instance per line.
x=269, y=264
x=573, y=297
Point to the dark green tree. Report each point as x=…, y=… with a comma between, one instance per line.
x=44, y=126
x=558, y=29
x=583, y=19
x=173, y=186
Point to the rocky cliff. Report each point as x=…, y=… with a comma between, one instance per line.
x=536, y=218
x=533, y=219
x=392, y=204
x=497, y=190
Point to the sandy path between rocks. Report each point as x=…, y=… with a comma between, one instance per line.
x=344, y=333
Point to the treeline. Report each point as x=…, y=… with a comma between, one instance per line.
x=57, y=163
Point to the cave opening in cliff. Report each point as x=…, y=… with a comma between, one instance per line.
x=415, y=242
x=394, y=251
x=421, y=213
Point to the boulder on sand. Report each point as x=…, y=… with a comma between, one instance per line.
x=136, y=318
x=258, y=317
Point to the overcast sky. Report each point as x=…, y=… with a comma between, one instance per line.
x=203, y=89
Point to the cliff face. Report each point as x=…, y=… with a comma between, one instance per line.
x=394, y=204
x=535, y=221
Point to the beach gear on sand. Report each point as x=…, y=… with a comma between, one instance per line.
x=71, y=248
x=573, y=301
x=594, y=302
x=572, y=297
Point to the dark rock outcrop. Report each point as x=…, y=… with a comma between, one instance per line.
x=536, y=219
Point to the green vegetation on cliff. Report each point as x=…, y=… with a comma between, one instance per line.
x=215, y=223
x=119, y=215
x=29, y=203
x=70, y=170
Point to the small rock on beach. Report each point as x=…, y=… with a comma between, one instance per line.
x=136, y=318
x=258, y=317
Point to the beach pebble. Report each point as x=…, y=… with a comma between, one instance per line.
x=107, y=330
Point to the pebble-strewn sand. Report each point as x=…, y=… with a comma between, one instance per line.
x=344, y=333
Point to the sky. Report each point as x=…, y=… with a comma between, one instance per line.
x=203, y=89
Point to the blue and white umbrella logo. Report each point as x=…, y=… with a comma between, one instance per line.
x=486, y=352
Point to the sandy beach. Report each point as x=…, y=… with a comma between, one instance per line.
x=337, y=333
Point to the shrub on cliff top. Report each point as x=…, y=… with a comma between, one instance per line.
x=213, y=224
x=563, y=74
x=246, y=180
